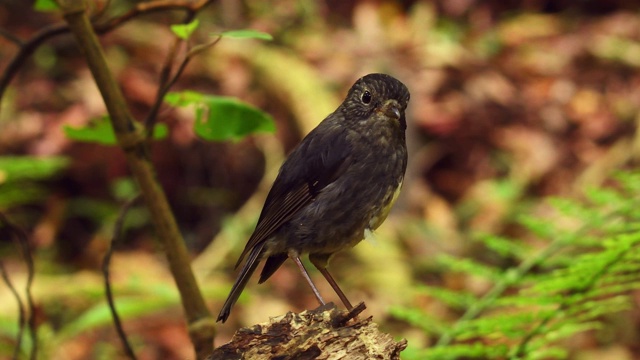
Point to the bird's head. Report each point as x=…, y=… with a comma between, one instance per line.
x=379, y=94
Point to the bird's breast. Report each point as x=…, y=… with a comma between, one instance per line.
x=378, y=217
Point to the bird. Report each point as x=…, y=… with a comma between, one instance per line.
x=334, y=188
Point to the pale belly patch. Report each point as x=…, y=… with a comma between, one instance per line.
x=378, y=218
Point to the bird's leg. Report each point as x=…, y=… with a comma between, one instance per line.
x=320, y=262
x=296, y=258
x=335, y=287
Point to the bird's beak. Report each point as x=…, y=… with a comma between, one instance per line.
x=395, y=111
x=392, y=109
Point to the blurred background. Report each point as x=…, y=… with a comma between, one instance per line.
x=511, y=102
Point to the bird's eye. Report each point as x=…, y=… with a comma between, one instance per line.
x=366, y=97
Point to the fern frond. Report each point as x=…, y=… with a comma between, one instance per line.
x=505, y=247
x=469, y=266
x=587, y=270
x=476, y=350
x=454, y=299
x=418, y=318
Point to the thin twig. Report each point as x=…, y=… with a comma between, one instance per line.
x=23, y=245
x=100, y=11
x=21, y=317
x=9, y=36
x=117, y=231
x=29, y=46
x=163, y=90
x=165, y=73
x=151, y=7
x=26, y=50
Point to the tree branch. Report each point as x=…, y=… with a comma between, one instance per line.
x=131, y=139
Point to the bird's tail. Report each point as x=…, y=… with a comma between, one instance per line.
x=245, y=274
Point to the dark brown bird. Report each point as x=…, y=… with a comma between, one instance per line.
x=337, y=184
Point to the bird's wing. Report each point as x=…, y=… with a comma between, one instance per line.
x=317, y=162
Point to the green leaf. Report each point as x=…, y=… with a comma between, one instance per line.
x=20, y=193
x=45, y=5
x=246, y=34
x=184, y=31
x=223, y=118
x=98, y=211
x=13, y=168
x=99, y=315
x=184, y=98
x=101, y=132
x=230, y=119
x=19, y=176
x=124, y=188
x=160, y=131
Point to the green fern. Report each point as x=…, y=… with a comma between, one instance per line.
x=587, y=270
